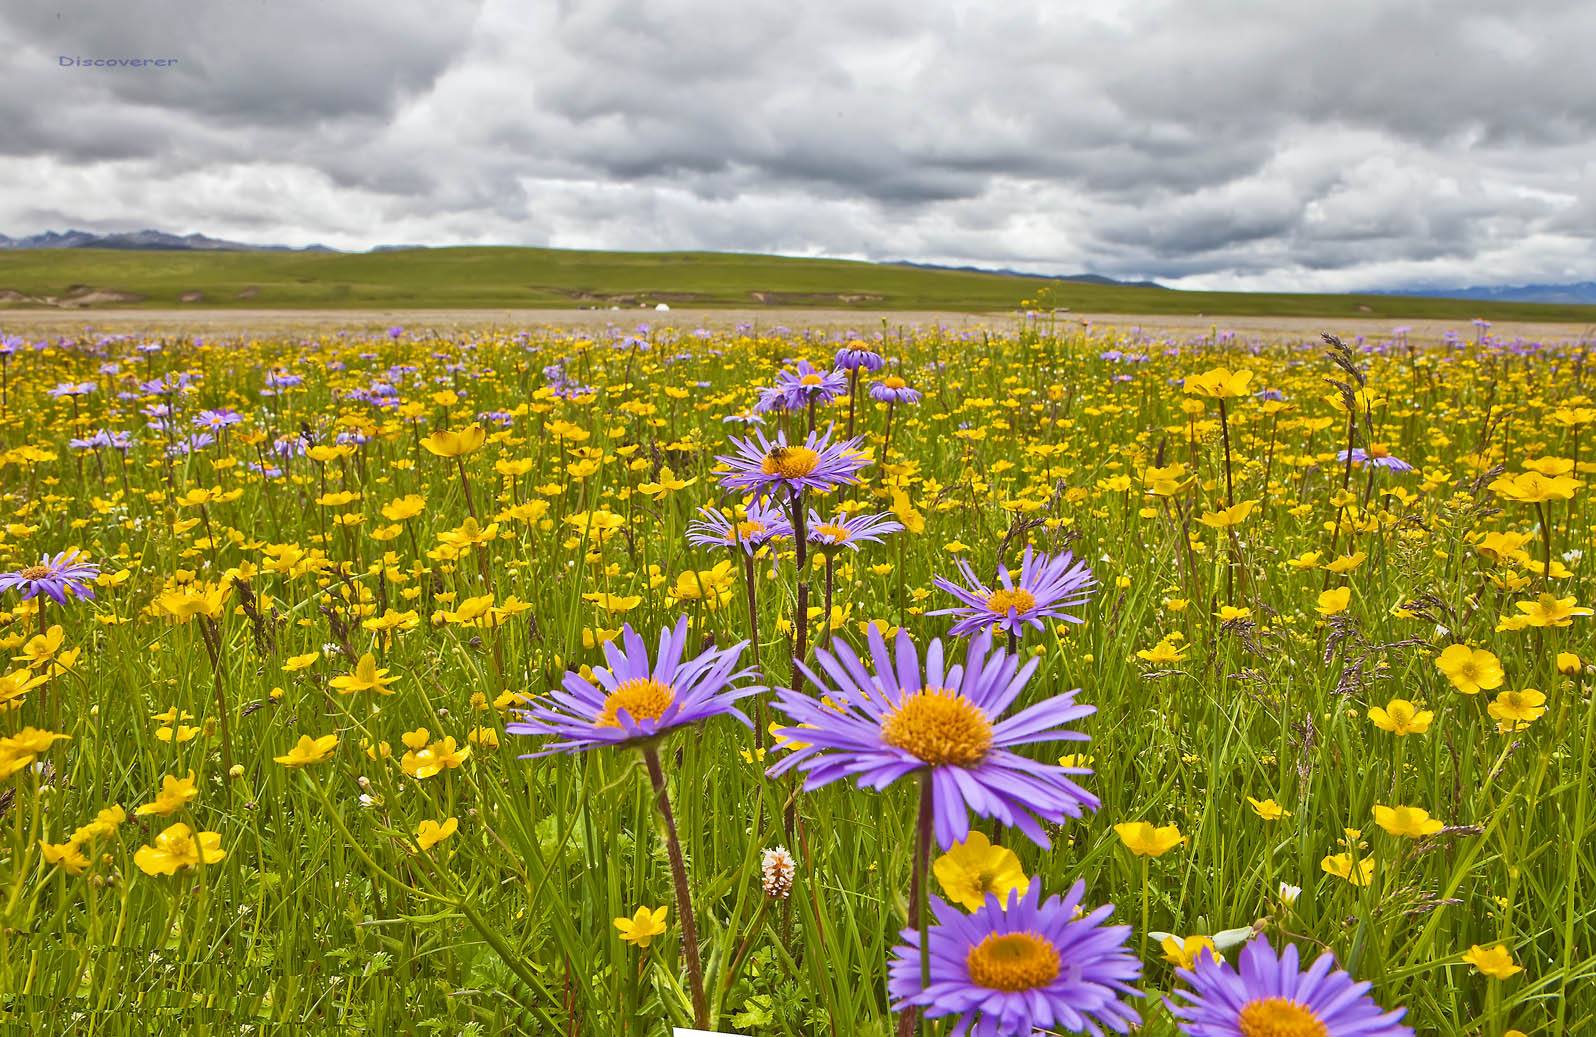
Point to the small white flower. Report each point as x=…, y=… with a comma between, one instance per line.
x=1289, y=893
x=776, y=868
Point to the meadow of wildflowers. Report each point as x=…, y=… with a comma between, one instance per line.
x=1023, y=680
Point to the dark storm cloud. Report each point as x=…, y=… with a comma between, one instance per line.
x=1237, y=143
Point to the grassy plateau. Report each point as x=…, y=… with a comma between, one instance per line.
x=513, y=277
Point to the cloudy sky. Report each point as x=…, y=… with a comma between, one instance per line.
x=1208, y=143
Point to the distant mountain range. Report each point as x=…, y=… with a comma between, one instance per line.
x=143, y=240
x=1006, y=272
x=1579, y=292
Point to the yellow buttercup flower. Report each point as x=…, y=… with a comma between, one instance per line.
x=1268, y=809
x=189, y=602
x=175, y=794
x=1408, y=822
x=1162, y=654
x=1495, y=962
x=1144, y=840
x=430, y=833
x=309, y=750
x=1534, y=488
x=1471, y=670
x=971, y=870
x=177, y=848
x=1334, y=601
x=1401, y=717
x=402, y=508
x=1183, y=951
x=434, y=758
x=1224, y=518
x=445, y=443
x=1548, y=610
x=1515, y=710
x=1359, y=872
x=1219, y=383
x=366, y=677
x=67, y=856
x=640, y=929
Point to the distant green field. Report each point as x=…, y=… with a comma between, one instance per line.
x=558, y=278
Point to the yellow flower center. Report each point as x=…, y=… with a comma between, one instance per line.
x=979, y=883
x=790, y=462
x=643, y=698
x=180, y=845
x=747, y=531
x=1013, y=961
x=832, y=530
x=1279, y=1017
x=892, y=381
x=940, y=727
x=810, y=379
x=35, y=572
x=1379, y=450
x=1019, y=599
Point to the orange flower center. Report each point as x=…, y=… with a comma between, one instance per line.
x=35, y=572
x=1019, y=599
x=810, y=379
x=832, y=530
x=1013, y=961
x=643, y=698
x=940, y=727
x=790, y=462
x=892, y=381
x=1279, y=1017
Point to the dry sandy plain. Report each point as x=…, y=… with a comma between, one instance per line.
x=231, y=322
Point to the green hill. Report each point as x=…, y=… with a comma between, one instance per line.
x=559, y=278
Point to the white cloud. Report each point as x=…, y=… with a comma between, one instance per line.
x=1208, y=143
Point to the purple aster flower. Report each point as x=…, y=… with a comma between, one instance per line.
x=72, y=389
x=855, y=357
x=1048, y=584
x=893, y=389
x=277, y=381
x=66, y=575
x=221, y=418
x=842, y=531
x=764, y=466
x=945, y=721
x=633, y=699
x=806, y=386
x=1272, y=995
x=195, y=441
x=759, y=527
x=1377, y=456
x=1021, y=967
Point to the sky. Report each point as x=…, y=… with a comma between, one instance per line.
x=1283, y=145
